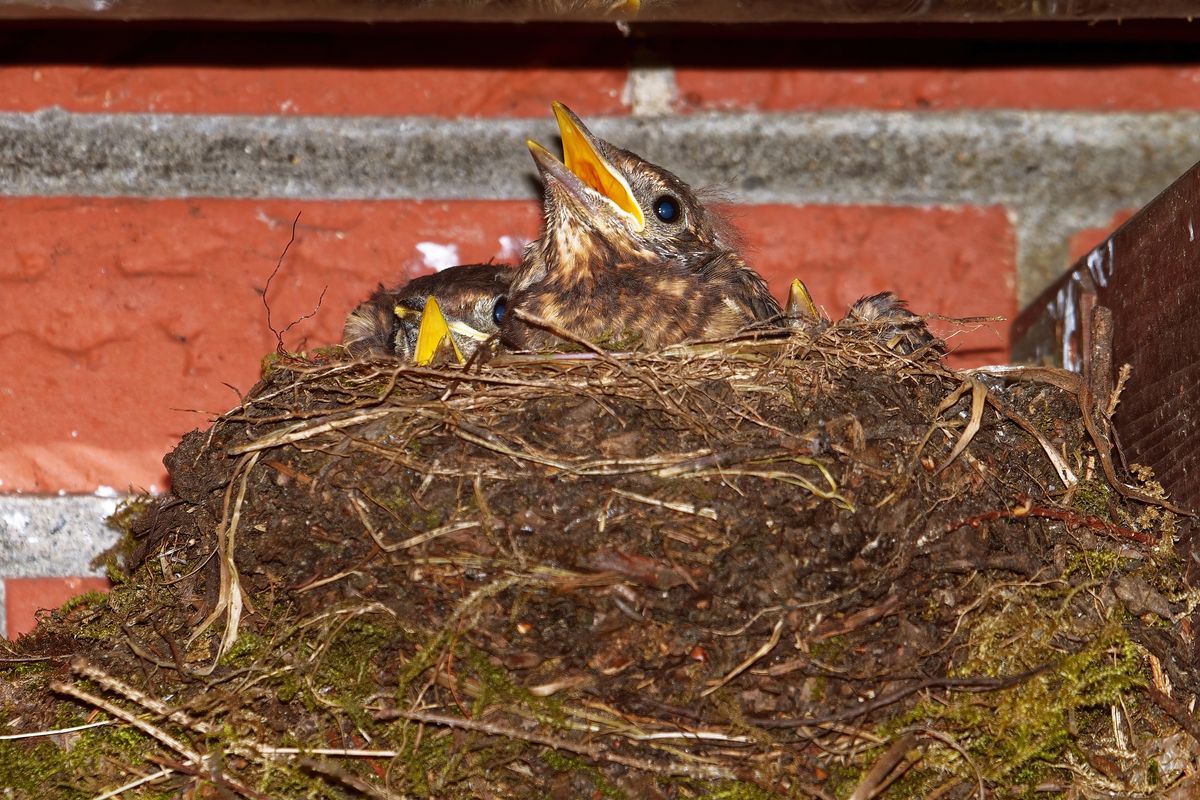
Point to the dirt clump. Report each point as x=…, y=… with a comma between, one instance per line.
x=798, y=566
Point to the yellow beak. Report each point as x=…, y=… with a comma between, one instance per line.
x=800, y=303
x=433, y=334
x=581, y=157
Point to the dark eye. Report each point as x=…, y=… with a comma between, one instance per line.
x=666, y=208
x=499, y=309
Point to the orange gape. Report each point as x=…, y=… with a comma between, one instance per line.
x=582, y=159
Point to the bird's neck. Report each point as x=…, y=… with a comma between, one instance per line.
x=575, y=258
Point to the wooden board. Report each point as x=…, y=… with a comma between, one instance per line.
x=755, y=11
x=1148, y=273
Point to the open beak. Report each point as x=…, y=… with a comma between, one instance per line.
x=433, y=335
x=583, y=161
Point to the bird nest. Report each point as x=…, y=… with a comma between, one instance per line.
x=799, y=566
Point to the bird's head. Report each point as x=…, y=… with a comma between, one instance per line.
x=453, y=311
x=606, y=205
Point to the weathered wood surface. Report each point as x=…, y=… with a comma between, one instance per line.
x=1148, y=273
x=642, y=10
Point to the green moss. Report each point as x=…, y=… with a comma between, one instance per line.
x=124, y=519
x=843, y=778
x=270, y=363
x=332, y=352
x=498, y=688
x=246, y=650
x=1014, y=736
x=288, y=687
x=283, y=779
x=601, y=787
x=402, y=507
x=83, y=601
x=738, y=790
x=1095, y=564
x=128, y=511
x=38, y=768
x=34, y=769
x=20, y=670
x=345, y=669
x=1093, y=497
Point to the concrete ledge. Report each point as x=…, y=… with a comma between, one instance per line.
x=1057, y=172
x=53, y=536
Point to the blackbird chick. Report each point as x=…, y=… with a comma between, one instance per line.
x=897, y=328
x=629, y=256
x=468, y=303
x=893, y=325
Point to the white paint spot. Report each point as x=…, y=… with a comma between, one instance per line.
x=650, y=91
x=1099, y=264
x=74, y=434
x=62, y=492
x=105, y=491
x=17, y=520
x=439, y=256
x=1191, y=231
x=1066, y=307
x=511, y=248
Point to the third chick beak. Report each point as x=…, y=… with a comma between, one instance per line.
x=800, y=305
x=433, y=335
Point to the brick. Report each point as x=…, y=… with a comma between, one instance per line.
x=24, y=597
x=481, y=73
x=127, y=322
x=957, y=262
x=123, y=321
x=410, y=91
x=1150, y=87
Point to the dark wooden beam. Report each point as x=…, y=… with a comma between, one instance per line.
x=1148, y=274
x=641, y=10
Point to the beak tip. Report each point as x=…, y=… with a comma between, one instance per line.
x=433, y=332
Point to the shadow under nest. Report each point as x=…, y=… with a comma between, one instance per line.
x=790, y=567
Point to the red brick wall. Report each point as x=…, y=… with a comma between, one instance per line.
x=126, y=322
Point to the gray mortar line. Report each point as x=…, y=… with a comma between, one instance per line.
x=1056, y=171
x=53, y=536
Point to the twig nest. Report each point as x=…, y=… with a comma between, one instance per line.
x=719, y=567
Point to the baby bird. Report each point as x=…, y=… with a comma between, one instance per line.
x=463, y=305
x=895, y=327
x=629, y=256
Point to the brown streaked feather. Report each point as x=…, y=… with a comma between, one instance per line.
x=370, y=329
x=898, y=328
